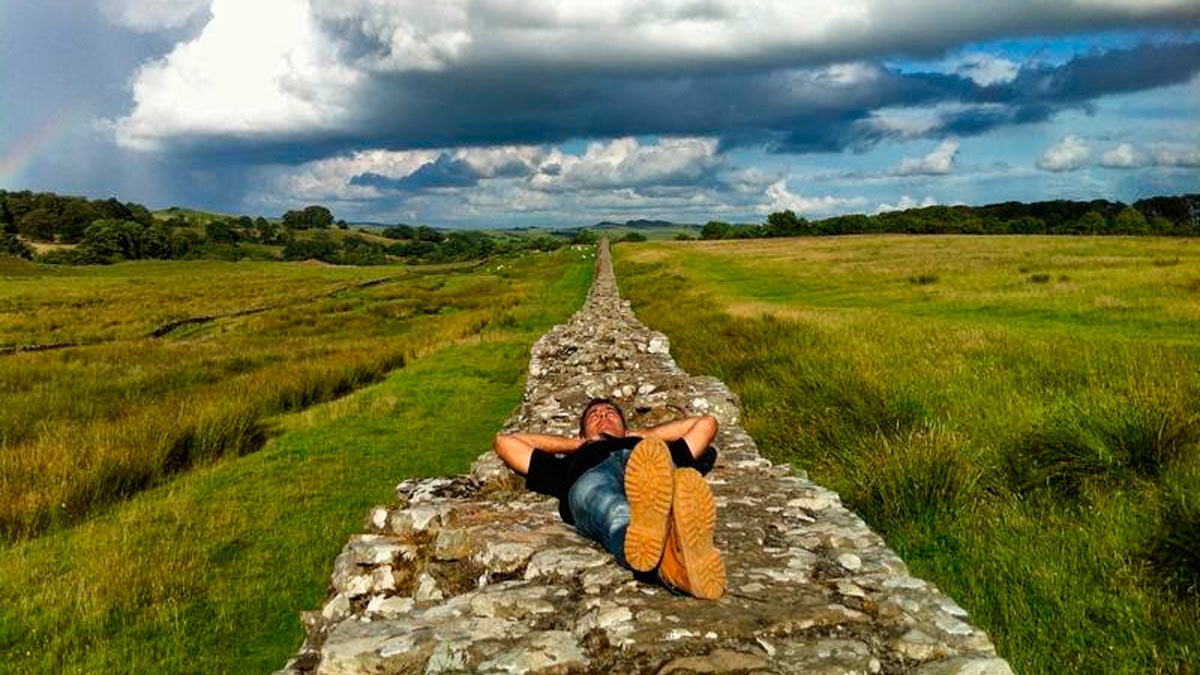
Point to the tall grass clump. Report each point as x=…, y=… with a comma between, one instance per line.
x=922, y=476
x=75, y=468
x=235, y=430
x=1124, y=437
x=309, y=387
x=1174, y=548
x=831, y=402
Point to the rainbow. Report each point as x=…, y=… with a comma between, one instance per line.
x=15, y=159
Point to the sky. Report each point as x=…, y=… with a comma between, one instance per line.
x=505, y=113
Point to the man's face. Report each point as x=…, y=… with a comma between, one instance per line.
x=603, y=419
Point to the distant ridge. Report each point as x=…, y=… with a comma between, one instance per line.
x=640, y=222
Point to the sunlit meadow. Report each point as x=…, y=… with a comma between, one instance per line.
x=1019, y=416
x=172, y=503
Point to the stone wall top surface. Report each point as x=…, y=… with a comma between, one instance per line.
x=474, y=574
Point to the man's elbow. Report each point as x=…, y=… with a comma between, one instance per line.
x=513, y=452
x=500, y=443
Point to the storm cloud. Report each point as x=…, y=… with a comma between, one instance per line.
x=795, y=76
x=467, y=110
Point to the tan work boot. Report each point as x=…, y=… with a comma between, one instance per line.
x=649, y=489
x=690, y=562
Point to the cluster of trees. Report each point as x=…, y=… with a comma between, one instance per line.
x=426, y=244
x=110, y=240
x=322, y=246
x=585, y=237
x=414, y=233
x=10, y=244
x=101, y=232
x=242, y=229
x=420, y=244
x=44, y=216
x=105, y=231
x=311, y=218
x=1170, y=216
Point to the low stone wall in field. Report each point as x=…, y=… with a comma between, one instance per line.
x=474, y=574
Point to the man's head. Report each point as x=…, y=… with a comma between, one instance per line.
x=601, y=416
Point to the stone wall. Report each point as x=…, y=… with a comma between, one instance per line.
x=474, y=574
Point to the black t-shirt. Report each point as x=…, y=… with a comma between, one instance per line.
x=554, y=473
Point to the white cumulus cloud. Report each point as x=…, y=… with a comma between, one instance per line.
x=1121, y=157
x=986, y=69
x=330, y=178
x=1069, y=154
x=783, y=199
x=938, y=162
x=239, y=78
x=603, y=166
x=404, y=35
x=907, y=122
x=625, y=161
x=906, y=202
x=1174, y=154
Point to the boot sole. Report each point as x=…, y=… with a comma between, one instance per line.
x=649, y=489
x=694, y=517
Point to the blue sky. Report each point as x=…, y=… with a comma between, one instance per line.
x=481, y=113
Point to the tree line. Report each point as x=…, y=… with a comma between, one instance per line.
x=421, y=244
x=1162, y=216
x=107, y=231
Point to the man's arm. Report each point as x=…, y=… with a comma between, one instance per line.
x=516, y=449
x=698, y=432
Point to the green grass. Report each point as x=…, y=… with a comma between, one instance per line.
x=207, y=572
x=193, y=215
x=84, y=427
x=1031, y=447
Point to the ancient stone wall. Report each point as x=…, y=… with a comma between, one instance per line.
x=474, y=574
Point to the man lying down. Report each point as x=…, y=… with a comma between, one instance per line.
x=639, y=493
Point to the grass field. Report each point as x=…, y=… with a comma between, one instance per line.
x=1018, y=416
x=201, y=561
x=86, y=426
